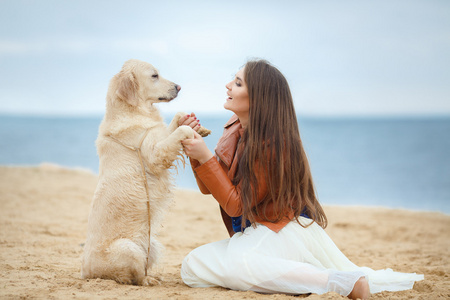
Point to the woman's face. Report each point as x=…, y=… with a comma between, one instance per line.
x=237, y=100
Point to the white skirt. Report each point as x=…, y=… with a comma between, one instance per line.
x=295, y=261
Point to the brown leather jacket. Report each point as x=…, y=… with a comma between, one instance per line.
x=216, y=175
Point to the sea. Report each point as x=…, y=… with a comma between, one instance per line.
x=395, y=162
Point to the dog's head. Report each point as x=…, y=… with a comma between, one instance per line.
x=138, y=83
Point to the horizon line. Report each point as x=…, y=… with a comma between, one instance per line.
x=224, y=113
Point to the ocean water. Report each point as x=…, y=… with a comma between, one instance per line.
x=391, y=162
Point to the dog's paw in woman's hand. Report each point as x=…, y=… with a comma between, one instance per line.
x=185, y=132
x=192, y=121
x=203, y=131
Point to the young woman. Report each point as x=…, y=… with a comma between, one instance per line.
x=261, y=178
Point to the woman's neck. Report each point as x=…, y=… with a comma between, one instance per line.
x=243, y=120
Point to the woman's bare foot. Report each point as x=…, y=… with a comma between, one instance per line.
x=360, y=290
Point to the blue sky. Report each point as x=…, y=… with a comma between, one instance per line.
x=340, y=57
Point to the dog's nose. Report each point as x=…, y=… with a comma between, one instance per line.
x=177, y=87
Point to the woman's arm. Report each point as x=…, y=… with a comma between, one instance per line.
x=217, y=182
x=192, y=121
x=225, y=217
x=216, y=179
x=200, y=184
x=227, y=221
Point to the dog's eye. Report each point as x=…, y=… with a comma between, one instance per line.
x=155, y=76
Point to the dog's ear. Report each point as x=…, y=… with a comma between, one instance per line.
x=128, y=88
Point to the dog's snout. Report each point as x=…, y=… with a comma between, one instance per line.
x=177, y=87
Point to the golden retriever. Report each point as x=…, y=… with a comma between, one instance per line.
x=132, y=135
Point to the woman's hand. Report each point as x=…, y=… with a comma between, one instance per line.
x=191, y=121
x=196, y=148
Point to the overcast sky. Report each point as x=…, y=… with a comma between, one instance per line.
x=340, y=57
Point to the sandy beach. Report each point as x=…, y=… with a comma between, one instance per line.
x=43, y=217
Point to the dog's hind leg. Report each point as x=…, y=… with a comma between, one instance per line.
x=128, y=262
x=155, y=252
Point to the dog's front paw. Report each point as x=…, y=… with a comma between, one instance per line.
x=178, y=116
x=203, y=131
x=186, y=132
x=151, y=281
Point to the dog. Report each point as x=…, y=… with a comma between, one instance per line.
x=136, y=150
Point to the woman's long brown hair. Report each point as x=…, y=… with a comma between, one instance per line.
x=271, y=144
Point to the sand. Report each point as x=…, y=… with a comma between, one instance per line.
x=43, y=220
